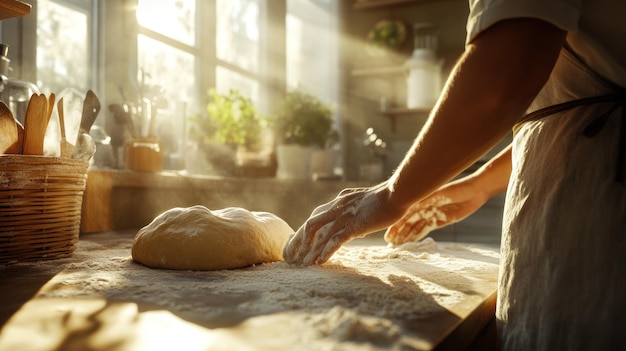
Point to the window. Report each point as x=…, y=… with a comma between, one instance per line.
x=166, y=61
x=209, y=43
x=65, y=45
x=181, y=13
x=312, y=47
x=176, y=51
x=233, y=59
x=161, y=48
x=229, y=44
x=235, y=56
x=238, y=47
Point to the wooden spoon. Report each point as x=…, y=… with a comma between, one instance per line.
x=20, y=136
x=9, y=141
x=66, y=147
x=35, y=124
x=51, y=99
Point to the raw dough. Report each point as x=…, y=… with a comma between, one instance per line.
x=196, y=238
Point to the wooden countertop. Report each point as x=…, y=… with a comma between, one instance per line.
x=364, y=298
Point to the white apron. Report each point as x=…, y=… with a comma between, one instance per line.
x=563, y=261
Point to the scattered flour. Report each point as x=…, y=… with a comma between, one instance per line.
x=363, y=296
x=423, y=219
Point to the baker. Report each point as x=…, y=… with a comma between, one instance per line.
x=555, y=73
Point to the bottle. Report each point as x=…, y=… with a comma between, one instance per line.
x=424, y=68
x=14, y=92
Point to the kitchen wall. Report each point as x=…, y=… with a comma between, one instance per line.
x=362, y=91
x=367, y=78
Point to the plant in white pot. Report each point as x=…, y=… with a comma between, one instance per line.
x=303, y=125
x=230, y=125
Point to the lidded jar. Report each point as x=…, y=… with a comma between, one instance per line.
x=424, y=68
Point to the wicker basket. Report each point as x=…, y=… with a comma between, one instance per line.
x=40, y=207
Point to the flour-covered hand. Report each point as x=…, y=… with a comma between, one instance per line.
x=353, y=213
x=450, y=204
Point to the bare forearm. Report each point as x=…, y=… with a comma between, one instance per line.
x=493, y=177
x=489, y=90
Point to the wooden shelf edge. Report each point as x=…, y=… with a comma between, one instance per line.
x=13, y=8
x=372, y=4
x=374, y=71
x=396, y=112
x=449, y=57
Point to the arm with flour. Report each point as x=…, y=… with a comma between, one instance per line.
x=490, y=88
x=452, y=202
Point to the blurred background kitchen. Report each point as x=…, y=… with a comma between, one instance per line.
x=204, y=100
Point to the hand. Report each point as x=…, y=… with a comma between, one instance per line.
x=450, y=204
x=353, y=213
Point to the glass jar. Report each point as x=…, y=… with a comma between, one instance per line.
x=424, y=79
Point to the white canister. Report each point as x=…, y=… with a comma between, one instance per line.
x=424, y=79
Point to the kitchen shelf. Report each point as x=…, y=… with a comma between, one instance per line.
x=371, y=4
x=378, y=71
x=13, y=8
x=449, y=56
x=395, y=113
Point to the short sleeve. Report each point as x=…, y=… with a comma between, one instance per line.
x=564, y=14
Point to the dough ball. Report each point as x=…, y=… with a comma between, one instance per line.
x=196, y=238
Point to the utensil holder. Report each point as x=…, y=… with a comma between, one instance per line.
x=143, y=155
x=40, y=207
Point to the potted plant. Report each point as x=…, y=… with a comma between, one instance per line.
x=231, y=126
x=303, y=124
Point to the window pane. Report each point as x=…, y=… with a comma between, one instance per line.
x=227, y=80
x=168, y=74
x=62, y=48
x=238, y=33
x=174, y=19
x=312, y=57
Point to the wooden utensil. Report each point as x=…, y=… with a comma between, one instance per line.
x=51, y=99
x=66, y=147
x=85, y=147
x=9, y=141
x=35, y=124
x=91, y=108
x=20, y=136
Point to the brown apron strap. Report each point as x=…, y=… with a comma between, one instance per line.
x=550, y=110
x=618, y=100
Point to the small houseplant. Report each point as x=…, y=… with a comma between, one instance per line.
x=231, y=122
x=235, y=119
x=305, y=120
x=303, y=124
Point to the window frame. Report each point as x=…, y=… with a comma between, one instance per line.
x=271, y=80
x=21, y=35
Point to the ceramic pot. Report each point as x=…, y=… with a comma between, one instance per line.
x=323, y=163
x=294, y=161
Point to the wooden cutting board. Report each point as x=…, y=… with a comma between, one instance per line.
x=364, y=299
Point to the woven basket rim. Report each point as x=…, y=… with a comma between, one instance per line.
x=38, y=158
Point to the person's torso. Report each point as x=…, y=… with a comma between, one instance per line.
x=597, y=28
x=600, y=40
